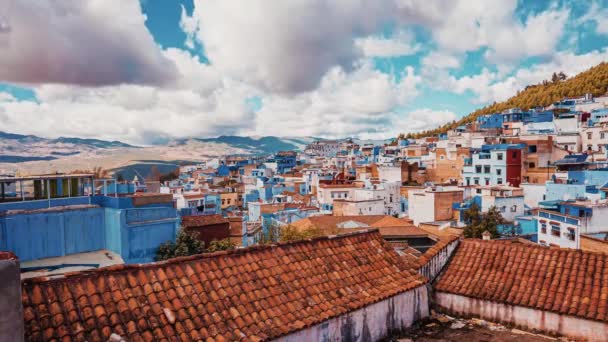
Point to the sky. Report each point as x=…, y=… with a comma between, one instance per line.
x=148, y=71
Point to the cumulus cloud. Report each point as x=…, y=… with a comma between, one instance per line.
x=491, y=86
x=466, y=25
x=137, y=113
x=402, y=43
x=598, y=15
x=345, y=104
x=91, y=43
x=284, y=46
x=308, y=62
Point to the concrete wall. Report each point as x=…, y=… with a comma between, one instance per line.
x=526, y=318
x=371, y=323
x=533, y=193
x=11, y=309
x=432, y=268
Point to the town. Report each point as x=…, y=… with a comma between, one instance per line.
x=502, y=218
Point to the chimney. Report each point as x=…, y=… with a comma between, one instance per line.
x=486, y=236
x=11, y=309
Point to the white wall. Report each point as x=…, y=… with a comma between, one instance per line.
x=562, y=240
x=390, y=173
x=371, y=323
x=421, y=206
x=530, y=319
x=533, y=193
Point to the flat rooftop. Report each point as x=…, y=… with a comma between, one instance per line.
x=57, y=266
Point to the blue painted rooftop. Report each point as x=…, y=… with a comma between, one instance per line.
x=502, y=147
x=572, y=159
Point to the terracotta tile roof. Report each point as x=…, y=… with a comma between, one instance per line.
x=564, y=281
x=403, y=231
x=390, y=221
x=202, y=220
x=250, y=294
x=330, y=222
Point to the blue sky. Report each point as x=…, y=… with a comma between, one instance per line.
x=263, y=68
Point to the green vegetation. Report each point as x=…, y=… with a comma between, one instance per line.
x=478, y=222
x=188, y=244
x=594, y=81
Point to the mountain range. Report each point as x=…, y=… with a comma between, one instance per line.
x=30, y=154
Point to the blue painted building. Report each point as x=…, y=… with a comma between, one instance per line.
x=132, y=226
x=490, y=121
x=286, y=161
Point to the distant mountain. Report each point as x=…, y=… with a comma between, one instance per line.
x=593, y=80
x=266, y=144
x=90, y=142
x=19, y=148
x=19, y=137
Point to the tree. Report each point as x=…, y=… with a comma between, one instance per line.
x=478, y=222
x=221, y=245
x=290, y=233
x=562, y=76
x=554, y=78
x=169, y=176
x=185, y=244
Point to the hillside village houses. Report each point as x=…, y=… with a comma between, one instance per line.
x=80, y=251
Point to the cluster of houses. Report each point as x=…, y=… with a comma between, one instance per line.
x=391, y=218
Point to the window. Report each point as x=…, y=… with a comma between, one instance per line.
x=532, y=148
x=503, y=209
x=442, y=157
x=487, y=181
x=499, y=172
x=478, y=169
x=589, y=135
x=468, y=180
x=514, y=208
x=499, y=156
x=555, y=230
x=486, y=169
x=602, y=135
x=571, y=234
x=543, y=228
x=476, y=181
x=478, y=191
x=531, y=165
x=499, y=181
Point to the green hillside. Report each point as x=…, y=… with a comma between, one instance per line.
x=594, y=80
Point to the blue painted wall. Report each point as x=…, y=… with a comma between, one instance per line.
x=133, y=232
x=51, y=234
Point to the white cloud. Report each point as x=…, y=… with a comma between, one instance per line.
x=95, y=42
x=415, y=121
x=6, y=97
x=598, y=15
x=458, y=26
x=200, y=104
x=438, y=59
x=345, y=104
x=490, y=86
x=284, y=46
x=403, y=43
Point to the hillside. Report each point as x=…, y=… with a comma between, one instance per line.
x=594, y=80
